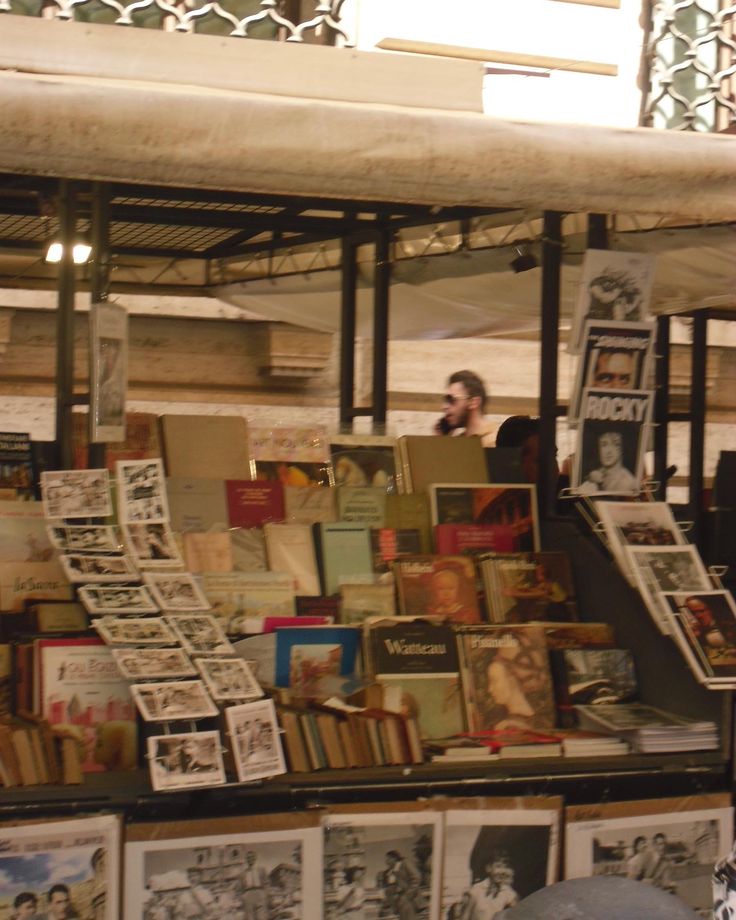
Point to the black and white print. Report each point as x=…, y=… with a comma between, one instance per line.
x=152, y=543
x=101, y=569
x=200, y=634
x=153, y=663
x=117, y=599
x=666, y=569
x=229, y=679
x=109, y=348
x=141, y=491
x=76, y=493
x=255, y=739
x=174, y=700
x=134, y=631
x=185, y=761
x=176, y=591
x=80, y=538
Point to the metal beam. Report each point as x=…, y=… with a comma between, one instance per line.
x=65, y=324
x=697, y=417
x=347, y=333
x=551, y=272
x=662, y=415
x=381, y=289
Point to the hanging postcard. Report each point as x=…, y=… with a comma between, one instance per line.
x=108, y=371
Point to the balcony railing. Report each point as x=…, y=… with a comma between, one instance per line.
x=692, y=65
x=314, y=21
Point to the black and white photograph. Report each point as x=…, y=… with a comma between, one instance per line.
x=173, y=700
x=200, y=634
x=152, y=543
x=493, y=858
x=141, y=491
x=383, y=863
x=637, y=524
x=61, y=869
x=614, y=356
x=76, y=493
x=666, y=569
x=153, y=663
x=117, y=599
x=109, y=371
x=614, y=286
x=185, y=761
x=673, y=851
x=79, y=538
x=611, y=442
x=176, y=591
x=134, y=631
x=703, y=624
x=273, y=873
x=229, y=679
x=255, y=739
x=99, y=569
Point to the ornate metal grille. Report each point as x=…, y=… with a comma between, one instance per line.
x=692, y=65
x=315, y=21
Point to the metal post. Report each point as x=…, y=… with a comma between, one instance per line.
x=597, y=231
x=697, y=416
x=551, y=270
x=347, y=333
x=661, y=404
x=381, y=285
x=65, y=324
x=99, y=290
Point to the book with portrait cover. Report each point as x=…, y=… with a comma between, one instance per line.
x=438, y=586
x=250, y=503
x=506, y=678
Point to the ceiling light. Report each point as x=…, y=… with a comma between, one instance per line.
x=81, y=251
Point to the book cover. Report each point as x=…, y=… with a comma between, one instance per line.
x=400, y=646
x=307, y=505
x=290, y=548
x=208, y=552
x=248, y=548
x=23, y=534
x=142, y=441
x=318, y=607
x=240, y=596
x=531, y=586
x=438, y=586
x=292, y=455
x=411, y=512
x=505, y=504
x=79, y=689
x=506, y=678
x=593, y=676
x=362, y=505
x=198, y=505
x=32, y=581
x=206, y=446
x=16, y=465
x=306, y=656
x=389, y=544
x=365, y=460
x=579, y=635
x=427, y=459
x=252, y=503
x=360, y=601
x=451, y=539
x=343, y=550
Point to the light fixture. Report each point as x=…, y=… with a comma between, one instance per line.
x=81, y=251
x=524, y=260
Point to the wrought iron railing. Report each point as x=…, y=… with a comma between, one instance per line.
x=315, y=21
x=691, y=54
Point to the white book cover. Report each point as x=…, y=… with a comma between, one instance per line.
x=290, y=548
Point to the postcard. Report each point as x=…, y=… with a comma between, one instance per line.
x=173, y=700
x=256, y=741
x=153, y=663
x=141, y=491
x=229, y=679
x=185, y=761
x=117, y=599
x=176, y=591
x=76, y=493
x=101, y=569
x=80, y=538
x=152, y=543
x=134, y=631
x=200, y=634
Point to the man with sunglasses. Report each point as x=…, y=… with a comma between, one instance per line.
x=464, y=402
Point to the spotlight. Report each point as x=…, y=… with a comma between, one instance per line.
x=524, y=260
x=81, y=251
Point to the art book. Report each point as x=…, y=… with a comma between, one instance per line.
x=506, y=678
x=357, y=602
x=524, y=587
x=389, y=544
x=438, y=586
x=365, y=460
x=291, y=455
x=506, y=504
x=450, y=539
x=16, y=465
x=593, y=676
x=252, y=503
x=290, y=548
x=343, y=550
x=237, y=597
x=411, y=512
x=78, y=688
x=307, y=656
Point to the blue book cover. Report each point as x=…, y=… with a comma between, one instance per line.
x=307, y=656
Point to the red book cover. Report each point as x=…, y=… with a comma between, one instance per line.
x=254, y=503
x=270, y=624
x=458, y=538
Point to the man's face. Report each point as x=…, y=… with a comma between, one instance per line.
x=609, y=449
x=27, y=909
x=457, y=403
x=614, y=371
x=659, y=844
x=59, y=905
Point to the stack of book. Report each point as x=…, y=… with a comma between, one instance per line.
x=650, y=730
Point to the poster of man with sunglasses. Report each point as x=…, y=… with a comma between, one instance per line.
x=464, y=404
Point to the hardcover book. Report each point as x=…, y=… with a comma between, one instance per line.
x=307, y=656
x=579, y=635
x=208, y=552
x=512, y=505
x=360, y=601
x=206, y=446
x=32, y=581
x=531, y=586
x=438, y=586
x=389, y=544
x=426, y=459
x=307, y=505
x=451, y=539
x=252, y=503
x=506, y=678
x=290, y=548
x=343, y=550
x=362, y=505
x=199, y=505
x=295, y=456
x=593, y=676
x=16, y=466
x=142, y=441
x=237, y=597
x=411, y=512
x=365, y=460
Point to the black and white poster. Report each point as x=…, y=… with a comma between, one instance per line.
x=611, y=443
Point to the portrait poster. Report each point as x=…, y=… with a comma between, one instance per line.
x=385, y=859
x=75, y=863
x=479, y=503
x=189, y=760
x=666, y=568
x=613, y=286
x=671, y=844
x=611, y=442
x=703, y=624
x=614, y=356
x=227, y=867
x=498, y=851
x=108, y=371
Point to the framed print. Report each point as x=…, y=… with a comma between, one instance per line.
x=79, y=538
x=108, y=371
x=614, y=286
x=225, y=867
x=134, y=631
x=173, y=700
x=384, y=854
x=141, y=491
x=255, y=739
x=76, y=493
x=152, y=543
x=611, y=442
x=117, y=599
x=100, y=569
x=660, y=569
x=176, y=592
x=185, y=761
x=614, y=356
x=229, y=679
x=498, y=851
x=479, y=503
x=56, y=867
x=671, y=844
x=153, y=663
x=200, y=634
